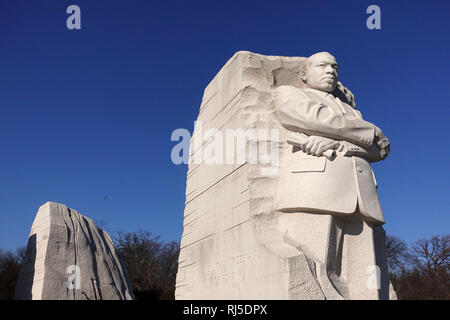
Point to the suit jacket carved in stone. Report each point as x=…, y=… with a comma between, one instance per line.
x=318, y=184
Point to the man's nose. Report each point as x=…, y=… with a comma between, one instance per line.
x=330, y=69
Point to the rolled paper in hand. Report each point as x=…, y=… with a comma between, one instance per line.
x=300, y=140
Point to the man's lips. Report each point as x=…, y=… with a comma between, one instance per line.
x=330, y=79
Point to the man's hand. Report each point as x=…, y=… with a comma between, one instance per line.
x=382, y=143
x=316, y=145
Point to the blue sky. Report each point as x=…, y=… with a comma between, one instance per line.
x=88, y=114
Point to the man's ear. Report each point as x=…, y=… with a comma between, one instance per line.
x=303, y=74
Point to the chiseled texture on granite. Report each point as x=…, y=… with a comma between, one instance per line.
x=69, y=258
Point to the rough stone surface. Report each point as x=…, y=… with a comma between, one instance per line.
x=296, y=227
x=69, y=258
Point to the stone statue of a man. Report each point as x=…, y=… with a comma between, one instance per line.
x=327, y=201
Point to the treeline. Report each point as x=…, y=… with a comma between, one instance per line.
x=152, y=264
x=420, y=271
x=10, y=263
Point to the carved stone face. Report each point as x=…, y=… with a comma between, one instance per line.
x=321, y=72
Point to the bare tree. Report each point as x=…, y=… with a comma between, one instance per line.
x=433, y=255
x=10, y=263
x=150, y=262
x=397, y=254
x=428, y=278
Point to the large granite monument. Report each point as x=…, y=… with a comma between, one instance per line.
x=69, y=258
x=293, y=211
